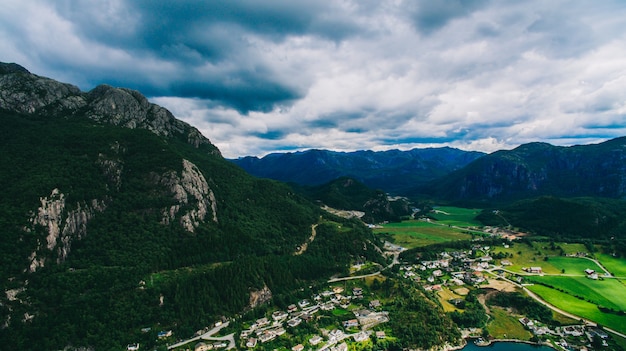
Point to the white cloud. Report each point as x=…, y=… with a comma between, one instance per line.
x=347, y=75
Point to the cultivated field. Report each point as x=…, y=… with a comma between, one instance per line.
x=609, y=293
x=446, y=227
x=456, y=216
x=415, y=233
x=579, y=307
x=617, y=266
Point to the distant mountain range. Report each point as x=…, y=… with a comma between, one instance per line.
x=538, y=169
x=393, y=171
x=528, y=171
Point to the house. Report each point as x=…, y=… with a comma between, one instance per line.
x=164, y=334
x=357, y=291
x=292, y=308
x=220, y=345
x=351, y=323
x=599, y=333
x=303, y=303
x=360, y=336
x=375, y=304
x=315, y=340
x=536, y=270
x=380, y=334
x=279, y=315
x=437, y=273
x=505, y=263
x=267, y=336
x=261, y=322
x=294, y=322
x=298, y=347
x=132, y=347
x=279, y=331
x=337, y=289
x=589, y=271
x=341, y=347
x=250, y=343
x=526, y=322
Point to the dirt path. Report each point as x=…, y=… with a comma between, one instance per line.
x=304, y=246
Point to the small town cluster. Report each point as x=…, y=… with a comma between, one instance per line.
x=357, y=329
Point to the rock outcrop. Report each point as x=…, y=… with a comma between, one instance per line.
x=190, y=190
x=62, y=226
x=24, y=92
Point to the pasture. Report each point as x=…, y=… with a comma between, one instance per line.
x=579, y=307
x=456, y=216
x=617, y=266
x=549, y=260
x=503, y=325
x=446, y=226
x=609, y=293
x=416, y=233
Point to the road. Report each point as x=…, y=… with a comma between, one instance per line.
x=552, y=307
x=209, y=336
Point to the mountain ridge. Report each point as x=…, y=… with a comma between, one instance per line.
x=116, y=216
x=393, y=171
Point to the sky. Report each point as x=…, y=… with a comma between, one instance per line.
x=257, y=77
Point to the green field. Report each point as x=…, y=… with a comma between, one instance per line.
x=504, y=326
x=456, y=216
x=617, y=266
x=579, y=307
x=415, y=233
x=608, y=293
x=525, y=256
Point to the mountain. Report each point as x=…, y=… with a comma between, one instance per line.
x=563, y=218
x=116, y=218
x=348, y=194
x=537, y=169
x=393, y=171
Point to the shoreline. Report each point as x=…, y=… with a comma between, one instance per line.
x=528, y=342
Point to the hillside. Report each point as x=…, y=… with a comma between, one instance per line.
x=537, y=169
x=116, y=216
x=392, y=171
x=345, y=193
x=558, y=218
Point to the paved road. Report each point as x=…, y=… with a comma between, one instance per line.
x=554, y=308
x=209, y=336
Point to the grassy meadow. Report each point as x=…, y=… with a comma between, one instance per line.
x=617, y=266
x=579, y=307
x=503, y=325
x=456, y=216
x=416, y=233
x=609, y=293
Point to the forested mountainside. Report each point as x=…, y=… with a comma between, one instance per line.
x=537, y=169
x=392, y=171
x=345, y=193
x=116, y=216
x=600, y=219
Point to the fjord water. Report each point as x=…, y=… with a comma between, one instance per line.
x=505, y=346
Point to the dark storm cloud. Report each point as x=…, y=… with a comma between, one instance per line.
x=430, y=16
x=186, y=36
x=260, y=76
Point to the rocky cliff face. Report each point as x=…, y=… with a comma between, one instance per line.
x=191, y=191
x=28, y=94
x=62, y=226
x=24, y=92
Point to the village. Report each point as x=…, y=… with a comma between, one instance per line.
x=354, y=315
x=460, y=271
